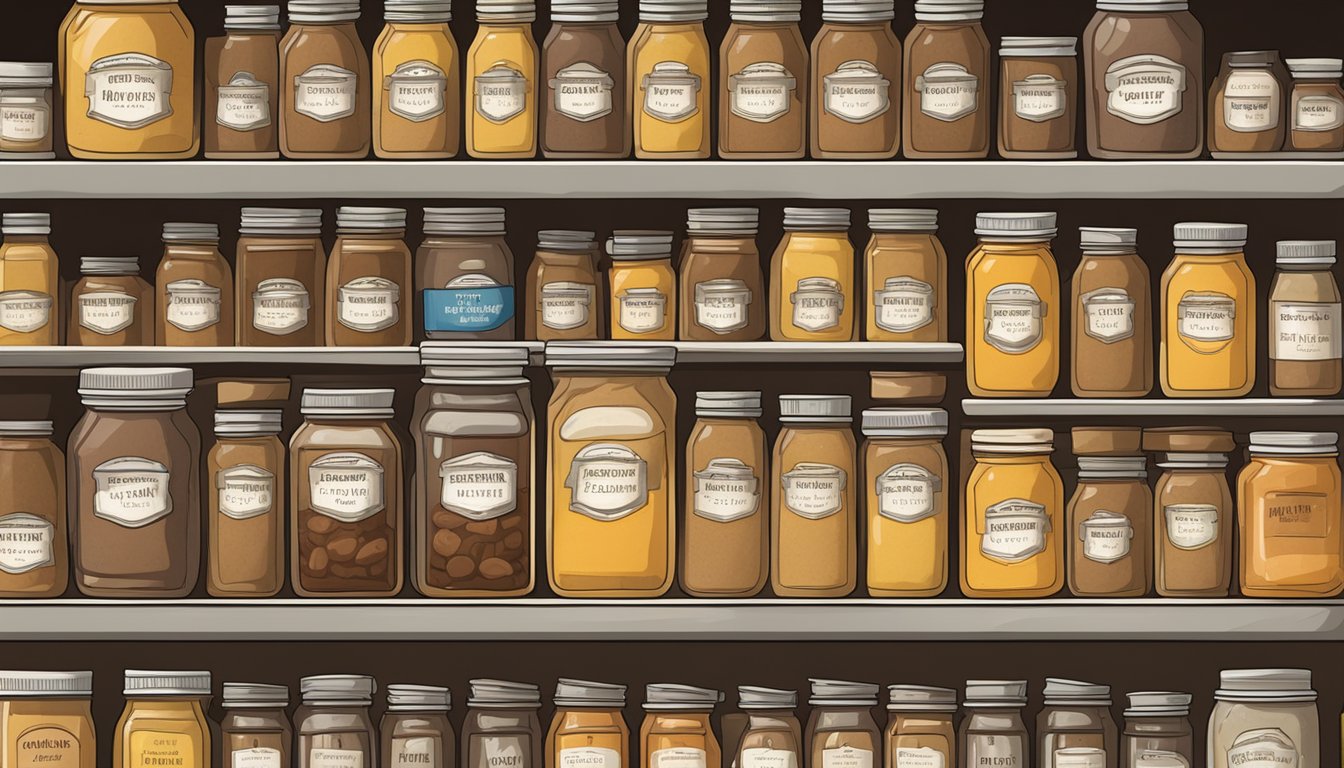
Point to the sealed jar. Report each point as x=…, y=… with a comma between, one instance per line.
x=905, y=269
x=992, y=731
x=643, y=286
x=585, y=113
x=46, y=719
x=1012, y=542
x=415, y=731
x=255, y=729
x=1304, y=321
x=1289, y=518
x=502, y=81
x=333, y=723
x=766, y=733
x=947, y=82
x=194, y=289
x=1193, y=516
x=247, y=510
x=464, y=274
x=677, y=732
x=588, y=728
x=281, y=278
x=920, y=729
x=242, y=85
x=134, y=484
x=34, y=549
x=564, y=298
x=812, y=282
x=1038, y=91
x=725, y=548
x=905, y=504
x=1247, y=104
x=324, y=82
x=1075, y=728
x=763, y=74
x=667, y=66
x=368, y=279
x=417, y=90
x=1208, y=314
x=128, y=81
x=111, y=305
x=1316, y=109
x=1110, y=515
x=474, y=427
x=1265, y=716
x=841, y=729
x=611, y=514
x=345, y=496
x=1157, y=731
x=722, y=285
x=813, y=519
x=163, y=722
x=1112, y=350
x=855, y=109
x=30, y=292
x=26, y=123
x=1012, y=306
x=501, y=728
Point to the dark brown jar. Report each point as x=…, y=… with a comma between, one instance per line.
x=242, y=77
x=1112, y=348
x=856, y=81
x=1038, y=87
x=1305, y=344
x=583, y=110
x=1157, y=731
x=194, y=289
x=721, y=281
x=464, y=273
x=369, y=279
x=324, y=83
x=111, y=305
x=281, y=278
x=1248, y=104
x=763, y=92
x=1075, y=728
x=1316, y=121
x=1110, y=515
x=333, y=722
x=502, y=729
x=992, y=733
x=947, y=85
x=34, y=548
x=841, y=730
x=255, y=731
x=565, y=298
x=1192, y=511
x=766, y=732
x=415, y=729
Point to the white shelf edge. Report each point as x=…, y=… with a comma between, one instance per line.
x=1254, y=406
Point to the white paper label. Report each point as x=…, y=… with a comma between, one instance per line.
x=607, y=481
x=565, y=306
x=1145, y=89
x=479, y=485
x=947, y=91
x=326, y=92
x=1206, y=317
x=347, y=487
x=721, y=305
x=280, y=306
x=1191, y=526
x=761, y=92
x=920, y=757
x=106, y=312
x=817, y=304
x=1109, y=313
x=245, y=491
x=416, y=91
x=413, y=752
x=24, y=122
x=369, y=304
x=996, y=751
x=501, y=93
x=335, y=758
x=131, y=491
x=26, y=543
x=589, y=757
x=1159, y=758
x=677, y=757
x=1318, y=113
x=244, y=104
x=1015, y=531
x=503, y=752
x=906, y=493
x=1263, y=748
x=903, y=304
x=856, y=92
x=193, y=305
x=1305, y=331
x=1040, y=98
x=1013, y=313
x=764, y=757
x=257, y=757
x=671, y=92
x=846, y=757
x=642, y=310
x=24, y=311
x=129, y=90
x=1106, y=537
x=1080, y=757
x=814, y=490
x=1252, y=101
x=726, y=490
x=582, y=92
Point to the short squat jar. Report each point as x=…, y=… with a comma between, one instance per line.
x=1316, y=111
x=1039, y=98
x=415, y=731
x=111, y=305
x=255, y=729
x=26, y=123
x=333, y=722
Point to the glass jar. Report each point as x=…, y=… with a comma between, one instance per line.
x=281, y=284
x=255, y=730
x=324, y=82
x=502, y=81
x=30, y=292
x=333, y=722
x=1265, y=716
x=367, y=279
x=1247, y=104
x=677, y=732
x=1012, y=542
x=1192, y=511
x=1145, y=72
x=920, y=729
x=417, y=91
x=134, y=484
x=247, y=511
x=563, y=298
x=813, y=519
x=111, y=305
x=1289, y=518
x=194, y=289
x=1038, y=91
x=1075, y=727
x=841, y=729
x=164, y=721
x=242, y=85
x=766, y=733
x=722, y=286
x=1157, y=731
x=128, y=79
x=725, y=549
x=415, y=730
x=46, y=719
x=812, y=281
x=947, y=82
x=501, y=728
x=763, y=82
x=34, y=549
x=464, y=274
x=1208, y=314
x=585, y=113
x=1317, y=106
x=611, y=514
x=1110, y=515
x=905, y=269
x=1304, y=321
x=992, y=732
x=904, y=471
x=345, y=496
x=856, y=82
x=1112, y=349
x=25, y=111
x=643, y=286
x=1012, y=306
x=667, y=64
x=588, y=728
x=475, y=449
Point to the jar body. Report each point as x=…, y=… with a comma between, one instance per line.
x=643, y=300
x=26, y=114
x=368, y=281
x=856, y=91
x=1289, y=732
x=762, y=738
x=1066, y=733
x=256, y=737
x=111, y=311
x=680, y=738
x=564, y=302
x=994, y=737
x=812, y=288
x=324, y=92
x=194, y=297
x=30, y=292
x=669, y=90
x=921, y=738
x=1208, y=326
x=722, y=290
x=585, y=114
x=1038, y=107
x=843, y=735
x=1290, y=526
x=1161, y=740
x=496, y=734
x=725, y=521
x=1012, y=320
x=281, y=291
x=1112, y=351
x=1317, y=117
x=153, y=730
x=422, y=739
x=763, y=92
x=906, y=279
x=247, y=517
x=417, y=92
x=242, y=95
x=947, y=91
x=334, y=734
x=34, y=553
x=502, y=79
x=1305, y=334
x=1110, y=538
x=1247, y=107
x=1192, y=533
x=1012, y=542
x=906, y=507
x=466, y=288
x=813, y=520
x=48, y=731
x=588, y=737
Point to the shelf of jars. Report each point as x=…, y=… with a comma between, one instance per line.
x=1251, y=406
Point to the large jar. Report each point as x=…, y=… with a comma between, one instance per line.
x=766, y=733
x=1110, y=515
x=1248, y=103
x=133, y=472
x=643, y=286
x=585, y=113
x=1316, y=111
x=1305, y=337
x=48, y=719
x=1112, y=350
x=722, y=286
x=502, y=81
x=841, y=730
x=501, y=727
x=948, y=92
x=1075, y=728
x=345, y=496
x=920, y=729
x=324, y=82
x=588, y=728
x=128, y=81
x=1192, y=511
x=242, y=85
x=1038, y=92
x=415, y=731
x=905, y=271
x=281, y=289
x=677, y=732
x=464, y=273
x=855, y=109
x=111, y=305
x=565, y=299
x=1157, y=731
x=247, y=509
x=1264, y=716
x=26, y=124
x=369, y=279
x=669, y=86
x=30, y=291
x=194, y=289
x=905, y=501
x=763, y=82
x=611, y=498
x=473, y=533
x=992, y=732
x=34, y=548
x=164, y=721
x=333, y=723
x=417, y=82
x=813, y=288
x=254, y=729
x=1208, y=314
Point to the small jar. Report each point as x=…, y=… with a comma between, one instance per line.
x=194, y=286
x=1075, y=728
x=643, y=286
x=855, y=109
x=164, y=720
x=34, y=549
x=841, y=729
x=1264, y=716
x=947, y=82
x=333, y=722
x=501, y=727
x=1110, y=515
x=1192, y=511
x=47, y=719
x=1039, y=98
x=585, y=113
x=242, y=85
x=992, y=732
x=111, y=305
x=415, y=730
x=502, y=81
x=1157, y=731
x=1112, y=350
x=30, y=292
x=564, y=298
x=670, y=90
x=247, y=510
x=255, y=729
x=1306, y=341
x=904, y=471
x=905, y=269
x=722, y=286
x=1247, y=104
x=588, y=728
x=770, y=734
x=677, y=731
x=26, y=123
x=763, y=82
x=920, y=729
x=812, y=282
x=417, y=82
x=368, y=279
x=324, y=83
x=281, y=278
x=1317, y=107
x=464, y=274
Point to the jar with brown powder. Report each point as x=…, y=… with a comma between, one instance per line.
x=1193, y=516
x=841, y=730
x=584, y=113
x=766, y=732
x=247, y=510
x=369, y=279
x=242, y=78
x=920, y=726
x=1110, y=515
x=324, y=82
x=1112, y=350
x=1039, y=91
x=947, y=86
x=194, y=286
x=111, y=305
x=281, y=280
x=1248, y=105
x=763, y=75
x=906, y=271
x=1305, y=344
x=565, y=298
x=855, y=109
x=34, y=555
x=721, y=282
x=1316, y=114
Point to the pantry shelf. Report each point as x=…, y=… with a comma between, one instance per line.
x=765, y=352
x=79, y=357
x=1262, y=406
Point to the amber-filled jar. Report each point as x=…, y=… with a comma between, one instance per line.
x=643, y=286
x=369, y=279
x=668, y=74
x=333, y=722
x=588, y=729
x=1039, y=97
x=417, y=82
x=920, y=727
x=1075, y=728
x=134, y=484
x=1112, y=353
x=855, y=109
x=947, y=85
x=841, y=730
x=1316, y=112
x=345, y=496
x=1110, y=515
x=721, y=283
x=1192, y=511
x=281, y=278
x=30, y=290
x=565, y=297
x=194, y=289
x=992, y=732
x=34, y=549
x=1157, y=731
x=1305, y=343
x=763, y=93
x=324, y=82
x=501, y=74
x=1248, y=103
x=48, y=719
x=111, y=305
x=813, y=290
x=501, y=728
x=677, y=732
x=905, y=501
x=585, y=112
x=905, y=268
x=255, y=729
x=247, y=508
x=464, y=273
x=242, y=85
x=766, y=732
x=415, y=730
x=164, y=720
x=26, y=115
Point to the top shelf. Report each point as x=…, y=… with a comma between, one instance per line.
x=551, y=179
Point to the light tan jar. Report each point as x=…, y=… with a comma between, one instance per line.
x=947, y=85
x=856, y=81
x=565, y=299
x=47, y=719
x=111, y=305
x=763, y=82
x=1265, y=717
x=721, y=283
x=920, y=729
x=324, y=82
x=247, y=510
x=26, y=124
x=369, y=279
x=194, y=289
x=1305, y=339
x=30, y=292
x=1316, y=112
x=1112, y=351
x=905, y=271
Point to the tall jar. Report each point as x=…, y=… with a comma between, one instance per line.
x=812, y=282
x=415, y=731
x=611, y=513
x=501, y=728
x=725, y=548
x=280, y=297
x=324, y=83
x=464, y=273
x=1157, y=731
x=1193, y=516
x=1012, y=307
x=677, y=730
x=1306, y=340
x=1290, y=525
x=905, y=501
x=111, y=305
x=48, y=719
x=669, y=86
x=564, y=297
x=345, y=496
x=26, y=115
x=813, y=520
x=134, y=484
x=1248, y=102
x=643, y=286
x=841, y=729
x=1208, y=314
x=502, y=81
x=34, y=544
x=333, y=723
x=855, y=109
x=1110, y=515
x=194, y=289
x=1316, y=110
x=1112, y=351
x=30, y=290
x=905, y=271
x=920, y=728
x=992, y=731
x=369, y=279
x=722, y=286
x=255, y=730
x=1264, y=715
x=588, y=728
x=163, y=722
x=766, y=732
x=417, y=82
x=473, y=533
x=128, y=80
x=242, y=85
x=948, y=92
x=1038, y=91
x=1075, y=728
x=763, y=82
x=1012, y=542
x=247, y=510
x=585, y=113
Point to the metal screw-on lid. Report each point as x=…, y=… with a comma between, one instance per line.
x=723, y=221
x=816, y=219
x=1305, y=254
x=506, y=10
x=1158, y=704
x=904, y=422
x=949, y=10
x=1198, y=236
x=418, y=11
x=376, y=403
x=190, y=232
x=728, y=404
x=903, y=219
x=1032, y=227
x=996, y=693
x=472, y=360
x=1267, y=685
x=858, y=11
x=109, y=265
x=338, y=689
x=585, y=693
x=585, y=356
x=1143, y=6
x=843, y=692
x=1251, y=59
x=1316, y=69
x=676, y=697
x=25, y=224
x=248, y=423
x=148, y=384
x=255, y=696
x=586, y=10
x=920, y=698
x=280, y=221
x=56, y=685
x=1012, y=441
x=251, y=17
x=25, y=74
x=1061, y=691
x=673, y=10
x=1293, y=443
x=1038, y=47
x=1112, y=467
x=639, y=245
x=1103, y=241
x=819, y=408
x=766, y=10
x=755, y=697
x=419, y=697
x=36, y=428
x=566, y=240
x=464, y=221
x=356, y=219
x=155, y=682
x=322, y=11
x=503, y=694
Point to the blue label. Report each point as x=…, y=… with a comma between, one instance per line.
x=468, y=309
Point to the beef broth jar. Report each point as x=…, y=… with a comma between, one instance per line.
x=464, y=274
x=34, y=549
x=677, y=729
x=111, y=305
x=324, y=83
x=501, y=728
x=281, y=278
x=333, y=723
x=369, y=279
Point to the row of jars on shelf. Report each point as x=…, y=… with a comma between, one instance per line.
x=129, y=85
x=1261, y=716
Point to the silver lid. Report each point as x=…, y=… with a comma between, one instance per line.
x=673, y=10
x=723, y=221
x=949, y=10
x=152, y=384
x=1143, y=6
x=190, y=232
x=996, y=693
x=506, y=10
x=1112, y=467
x=767, y=11
x=1293, y=443
x=55, y=685
x=1031, y=227
x=25, y=74
x=468, y=360
x=1192, y=461
x=903, y=219
x=503, y=694
x=585, y=10
x=255, y=696
x=858, y=11
x=585, y=356
x=375, y=403
x=1012, y=441
x=280, y=221
x=1038, y=47
x=1198, y=235
x=156, y=682
x=1108, y=240
x=1062, y=691
x=1305, y=254
x=904, y=422
x=357, y=219
x=1266, y=685
x=25, y=224
x=109, y=265
x=1316, y=69
x=731, y=404
x=755, y=697
x=819, y=408
x=843, y=692
x=338, y=689
x=816, y=219
x=639, y=245
x=1158, y=704
x=35, y=428
x=245, y=423
x=464, y=221
x=585, y=693
x=566, y=240
x=419, y=697
x=676, y=697
x=418, y=11
x=322, y=11
x=251, y=17
x=921, y=698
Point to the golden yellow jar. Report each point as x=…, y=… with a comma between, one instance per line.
x=905, y=271
x=164, y=722
x=1208, y=314
x=46, y=720
x=812, y=283
x=669, y=80
x=904, y=470
x=417, y=91
x=643, y=286
x=502, y=81
x=128, y=78
x=30, y=282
